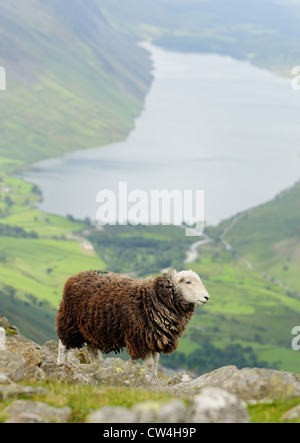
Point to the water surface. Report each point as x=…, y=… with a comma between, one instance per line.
x=210, y=122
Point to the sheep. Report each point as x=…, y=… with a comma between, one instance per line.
x=110, y=312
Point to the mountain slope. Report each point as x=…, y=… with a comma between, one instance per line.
x=269, y=237
x=262, y=31
x=73, y=81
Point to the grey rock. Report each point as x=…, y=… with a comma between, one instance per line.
x=293, y=376
x=252, y=385
x=2, y=339
x=4, y=323
x=54, y=372
x=214, y=405
x=12, y=365
x=215, y=378
x=52, y=347
x=21, y=411
x=292, y=414
x=26, y=417
x=157, y=412
x=262, y=385
x=149, y=412
x=34, y=373
x=4, y=380
x=14, y=391
x=117, y=372
x=48, y=354
x=112, y=415
x=180, y=377
x=28, y=350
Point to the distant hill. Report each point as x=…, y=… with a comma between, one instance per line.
x=265, y=32
x=269, y=237
x=73, y=81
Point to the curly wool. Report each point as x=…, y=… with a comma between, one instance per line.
x=113, y=312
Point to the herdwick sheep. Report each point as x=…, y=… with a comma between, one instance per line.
x=110, y=312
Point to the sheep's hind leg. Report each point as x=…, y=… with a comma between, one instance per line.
x=62, y=358
x=156, y=356
x=150, y=362
x=94, y=354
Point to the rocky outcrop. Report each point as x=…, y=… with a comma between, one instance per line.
x=212, y=405
x=221, y=396
x=22, y=411
x=12, y=365
x=252, y=385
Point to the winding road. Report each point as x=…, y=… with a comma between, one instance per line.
x=193, y=253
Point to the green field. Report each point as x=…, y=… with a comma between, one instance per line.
x=38, y=253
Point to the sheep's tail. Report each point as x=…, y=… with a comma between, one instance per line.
x=66, y=327
x=68, y=333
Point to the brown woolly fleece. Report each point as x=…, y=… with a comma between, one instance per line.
x=114, y=312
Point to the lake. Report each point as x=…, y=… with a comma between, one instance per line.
x=210, y=123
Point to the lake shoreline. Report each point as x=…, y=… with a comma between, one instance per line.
x=114, y=156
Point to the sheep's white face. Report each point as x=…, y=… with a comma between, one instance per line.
x=191, y=287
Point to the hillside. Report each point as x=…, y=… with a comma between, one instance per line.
x=265, y=32
x=269, y=238
x=73, y=82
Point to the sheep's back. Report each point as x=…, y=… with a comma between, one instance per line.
x=104, y=306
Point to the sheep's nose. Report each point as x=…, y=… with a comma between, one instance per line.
x=206, y=297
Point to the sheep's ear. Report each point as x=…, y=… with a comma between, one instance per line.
x=172, y=275
x=179, y=277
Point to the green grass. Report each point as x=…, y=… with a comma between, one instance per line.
x=40, y=267
x=45, y=225
x=269, y=237
x=272, y=413
x=83, y=399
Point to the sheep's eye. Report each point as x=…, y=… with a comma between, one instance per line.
x=188, y=282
